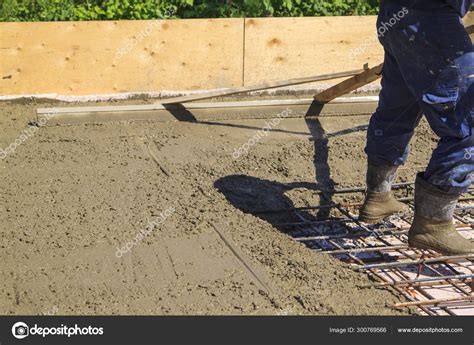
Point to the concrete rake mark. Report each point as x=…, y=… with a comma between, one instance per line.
x=242, y=258
x=151, y=150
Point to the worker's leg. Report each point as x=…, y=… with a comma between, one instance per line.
x=449, y=107
x=390, y=129
x=397, y=115
x=388, y=135
x=436, y=58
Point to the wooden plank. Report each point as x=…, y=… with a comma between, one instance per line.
x=469, y=22
x=284, y=48
x=207, y=111
x=84, y=58
x=469, y=19
x=350, y=84
x=263, y=86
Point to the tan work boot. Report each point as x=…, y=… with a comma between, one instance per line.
x=379, y=202
x=432, y=226
x=379, y=205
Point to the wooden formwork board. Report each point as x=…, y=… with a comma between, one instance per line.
x=110, y=57
x=207, y=111
x=282, y=48
x=98, y=57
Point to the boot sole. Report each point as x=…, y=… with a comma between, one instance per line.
x=421, y=245
x=374, y=220
x=371, y=220
x=377, y=219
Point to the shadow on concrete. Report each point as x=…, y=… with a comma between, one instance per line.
x=266, y=199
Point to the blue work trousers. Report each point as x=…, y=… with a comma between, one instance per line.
x=428, y=70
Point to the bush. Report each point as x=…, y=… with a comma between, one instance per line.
x=59, y=10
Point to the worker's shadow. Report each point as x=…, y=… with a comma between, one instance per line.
x=268, y=200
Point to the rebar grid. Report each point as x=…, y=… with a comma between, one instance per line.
x=435, y=284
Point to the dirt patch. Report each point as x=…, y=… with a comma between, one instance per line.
x=71, y=196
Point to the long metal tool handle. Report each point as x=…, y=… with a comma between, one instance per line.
x=264, y=86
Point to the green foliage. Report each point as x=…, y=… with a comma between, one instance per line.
x=57, y=10
x=40, y=10
x=122, y=9
x=277, y=8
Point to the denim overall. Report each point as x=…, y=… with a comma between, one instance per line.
x=428, y=70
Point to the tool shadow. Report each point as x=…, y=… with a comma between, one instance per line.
x=268, y=200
